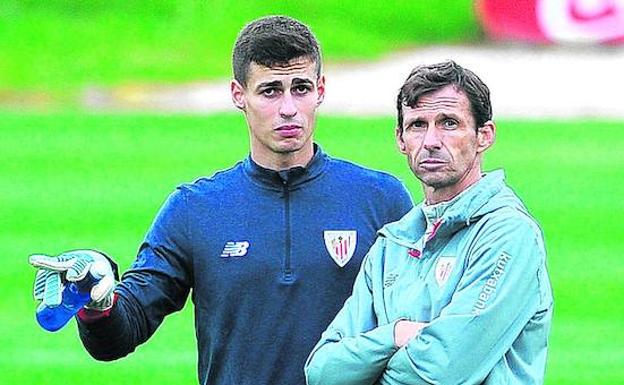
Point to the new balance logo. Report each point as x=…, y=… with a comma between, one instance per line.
x=235, y=249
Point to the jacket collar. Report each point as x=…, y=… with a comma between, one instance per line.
x=457, y=213
x=466, y=204
x=290, y=178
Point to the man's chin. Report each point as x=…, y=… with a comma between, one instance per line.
x=435, y=180
x=288, y=147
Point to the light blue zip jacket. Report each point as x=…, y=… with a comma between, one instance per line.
x=477, y=277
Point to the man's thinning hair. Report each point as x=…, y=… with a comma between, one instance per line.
x=273, y=41
x=428, y=78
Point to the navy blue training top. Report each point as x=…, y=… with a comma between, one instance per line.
x=270, y=258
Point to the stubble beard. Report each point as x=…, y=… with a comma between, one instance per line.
x=437, y=179
x=434, y=179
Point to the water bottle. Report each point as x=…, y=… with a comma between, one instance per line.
x=75, y=297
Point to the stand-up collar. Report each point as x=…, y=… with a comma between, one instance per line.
x=292, y=177
x=468, y=206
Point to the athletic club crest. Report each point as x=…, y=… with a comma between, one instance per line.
x=443, y=270
x=340, y=244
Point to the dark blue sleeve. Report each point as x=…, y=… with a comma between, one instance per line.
x=157, y=284
x=399, y=201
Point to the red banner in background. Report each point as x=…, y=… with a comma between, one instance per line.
x=553, y=21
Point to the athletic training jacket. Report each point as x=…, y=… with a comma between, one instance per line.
x=270, y=258
x=477, y=276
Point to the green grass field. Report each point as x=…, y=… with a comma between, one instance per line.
x=76, y=180
x=58, y=46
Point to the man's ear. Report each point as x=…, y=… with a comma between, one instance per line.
x=320, y=89
x=398, y=133
x=486, y=135
x=238, y=95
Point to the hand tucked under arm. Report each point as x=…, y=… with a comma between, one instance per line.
x=405, y=330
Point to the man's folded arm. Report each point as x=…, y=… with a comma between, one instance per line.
x=353, y=349
x=495, y=299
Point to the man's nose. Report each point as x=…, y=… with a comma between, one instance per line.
x=288, y=108
x=432, y=139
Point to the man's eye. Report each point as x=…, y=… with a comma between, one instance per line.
x=301, y=89
x=450, y=124
x=269, y=92
x=417, y=126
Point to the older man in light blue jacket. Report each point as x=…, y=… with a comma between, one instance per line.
x=457, y=291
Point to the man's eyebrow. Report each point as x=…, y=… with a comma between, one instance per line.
x=446, y=115
x=438, y=117
x=274, y=83
x=408, y=121
x=299, y=81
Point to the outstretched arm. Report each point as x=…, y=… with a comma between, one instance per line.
x=113, y=323
x=157, y=284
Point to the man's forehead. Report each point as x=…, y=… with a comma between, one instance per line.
x=300, y=68
x=448, y=98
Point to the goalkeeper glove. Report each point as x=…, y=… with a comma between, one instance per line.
x=68, y=282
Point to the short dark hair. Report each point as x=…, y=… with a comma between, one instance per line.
x=271, y=41
x=428, y=78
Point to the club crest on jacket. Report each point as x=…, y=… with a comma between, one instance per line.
x=443, y=270
x=340, y=244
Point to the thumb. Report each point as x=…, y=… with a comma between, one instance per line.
x=100, y=268
x=103, y=288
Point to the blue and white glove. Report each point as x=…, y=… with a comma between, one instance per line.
x=90, y=270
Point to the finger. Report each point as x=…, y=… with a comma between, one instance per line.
x=103, y=288
x=53, y=292
x=48, y=287
x=50, y=263
x=78, y=269
x=40, y=281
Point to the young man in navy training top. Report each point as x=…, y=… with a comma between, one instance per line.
x=270, y=247
x=457, y=291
